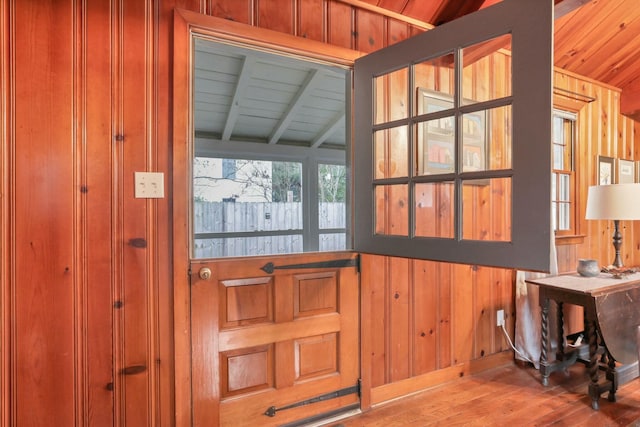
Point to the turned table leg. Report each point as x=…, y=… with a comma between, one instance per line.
x=594, y=389
x=544, y=365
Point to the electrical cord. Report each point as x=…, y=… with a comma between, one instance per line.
x=513, y=347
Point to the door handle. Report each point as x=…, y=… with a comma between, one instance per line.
x=205, y=273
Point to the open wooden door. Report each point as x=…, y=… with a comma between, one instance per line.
x=274, y=340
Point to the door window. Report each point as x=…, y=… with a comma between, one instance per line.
x=269, y=172
x=452, y=141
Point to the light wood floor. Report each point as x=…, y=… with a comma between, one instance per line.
x=508, y=396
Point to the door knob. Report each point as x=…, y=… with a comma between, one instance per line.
x=205, y=273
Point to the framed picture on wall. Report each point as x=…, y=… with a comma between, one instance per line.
x=626, y=171
x=605, y=170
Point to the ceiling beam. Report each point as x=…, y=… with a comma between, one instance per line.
x=337, y=121
x=453, y=9
x=565, y=7
x=310, y=83
x=241, y=85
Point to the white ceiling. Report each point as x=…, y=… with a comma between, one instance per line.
x=247, y=95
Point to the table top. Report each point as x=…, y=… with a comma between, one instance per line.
x=602, y=283
x=613, y=305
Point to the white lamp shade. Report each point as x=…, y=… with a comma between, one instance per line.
x=614, y=201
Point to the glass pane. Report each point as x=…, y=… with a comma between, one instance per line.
x=392, y=215
x=246, y=181
x=486, y=71
x=435, y=209
x=474, y=142
x=558, y=156
x=500, y=139
x=240, y=195
x=554, y=185
x=565, y=189
x=436, y=146
x=554, y=217
x=558, y=134
x=332, y=187
x=391, y=96
x=333, y=242
x=245, y=246
x=390, y=152
x=564, y=216
x=486, y=209
x=435, y=76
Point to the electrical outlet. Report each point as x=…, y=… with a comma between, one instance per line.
x=149, y=185
x=499, y=317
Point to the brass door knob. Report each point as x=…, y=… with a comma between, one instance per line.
x=205, y=273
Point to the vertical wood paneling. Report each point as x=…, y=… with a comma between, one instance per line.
x=43, y=286
x=137, y=392
x=376, y=272
x=234, y=10
x=463, y=314
x=370, y=31
x=396, y=31
x=96, y=210
x=6, y=148
x=172, y=375
x=86, y=274
x=339, y=17
x=445, y=315
x=602, y=131
x=311, y=19
x=485, y=307
x=276, y=15
x=399, y=328
x=425, y=331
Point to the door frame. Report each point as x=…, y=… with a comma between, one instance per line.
x=188, y=24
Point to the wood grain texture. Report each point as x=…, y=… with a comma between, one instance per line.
x=472, y=400
x=45, y=260
x=311, y=19
x=94, y=91
x=6, y=165
x=96, y=192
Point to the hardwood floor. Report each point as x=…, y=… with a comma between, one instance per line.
x=508, y=396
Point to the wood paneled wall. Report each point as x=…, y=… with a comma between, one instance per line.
x=86, y=273
x=602, y=131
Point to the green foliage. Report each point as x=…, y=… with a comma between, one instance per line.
x=286, y=179
x=332, y=183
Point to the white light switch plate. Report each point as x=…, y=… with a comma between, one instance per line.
x=149, y=185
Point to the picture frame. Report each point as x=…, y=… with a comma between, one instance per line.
x=605, y=172
x=626, y=172
x=436, y=148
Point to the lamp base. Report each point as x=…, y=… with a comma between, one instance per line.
x=617, y=244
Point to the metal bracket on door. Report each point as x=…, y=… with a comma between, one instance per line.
x=269, y=267
x=271, y=412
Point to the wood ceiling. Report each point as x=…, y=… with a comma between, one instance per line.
x=599, y=39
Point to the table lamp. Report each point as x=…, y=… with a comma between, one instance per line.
x=615, y=202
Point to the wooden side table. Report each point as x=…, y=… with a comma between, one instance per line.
x=611, y=317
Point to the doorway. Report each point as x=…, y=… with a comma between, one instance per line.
x=271, y=296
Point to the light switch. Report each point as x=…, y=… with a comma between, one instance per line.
x=149, y=185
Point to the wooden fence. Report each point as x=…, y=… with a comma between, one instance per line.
x=275, y=228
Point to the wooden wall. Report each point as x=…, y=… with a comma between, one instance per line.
x=85, y=268
x=603, y=131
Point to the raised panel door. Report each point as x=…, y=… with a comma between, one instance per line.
x=263, y=342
